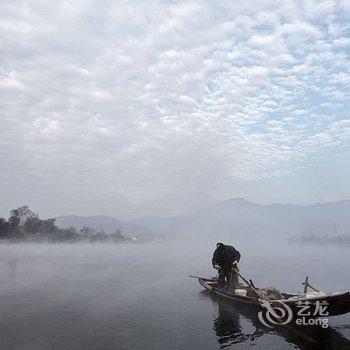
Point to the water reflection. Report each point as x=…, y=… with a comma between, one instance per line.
x=12, y=268
x=230, y=327
x=9, y=265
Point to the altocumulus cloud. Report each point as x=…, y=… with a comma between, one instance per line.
x=134, y=104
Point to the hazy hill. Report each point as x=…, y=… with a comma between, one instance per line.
x=232, y=217
x=238, y=216
x=101, y=222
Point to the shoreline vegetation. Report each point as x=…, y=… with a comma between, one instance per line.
x=23, y=225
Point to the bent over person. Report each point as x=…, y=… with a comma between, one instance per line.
x=224, y=258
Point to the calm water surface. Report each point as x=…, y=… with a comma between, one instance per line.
x=138, y=296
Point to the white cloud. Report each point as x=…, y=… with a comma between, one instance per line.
x=10, y=82
x=154, y=97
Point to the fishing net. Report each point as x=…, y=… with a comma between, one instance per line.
x=272, y=293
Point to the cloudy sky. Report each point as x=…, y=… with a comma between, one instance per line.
x=132, y=108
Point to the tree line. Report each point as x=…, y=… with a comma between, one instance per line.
x=25, y=225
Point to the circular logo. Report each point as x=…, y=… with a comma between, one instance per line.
x=274, y=314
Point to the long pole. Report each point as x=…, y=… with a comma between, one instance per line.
x=257, y=292
x=197, y=277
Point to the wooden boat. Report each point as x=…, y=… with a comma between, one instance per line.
x=337, y=303
x=230, y=330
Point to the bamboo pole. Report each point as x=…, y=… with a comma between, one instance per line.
x=256, y=291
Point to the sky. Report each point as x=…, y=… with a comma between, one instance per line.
x=132, y=108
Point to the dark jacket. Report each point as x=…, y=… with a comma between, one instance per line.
x=225, y=256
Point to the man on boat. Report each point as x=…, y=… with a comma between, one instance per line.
x=224, y=258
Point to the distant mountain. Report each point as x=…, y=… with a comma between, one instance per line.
x=238, y=216
x=101, y=222
x=231, y=217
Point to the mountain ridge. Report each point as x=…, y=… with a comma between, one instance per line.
x=231, y=216
x=101, y=222
x=240, y=215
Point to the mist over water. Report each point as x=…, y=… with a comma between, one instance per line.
x=135, y=135
x=139, y=296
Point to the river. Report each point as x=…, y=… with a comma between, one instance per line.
x=139, y=296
